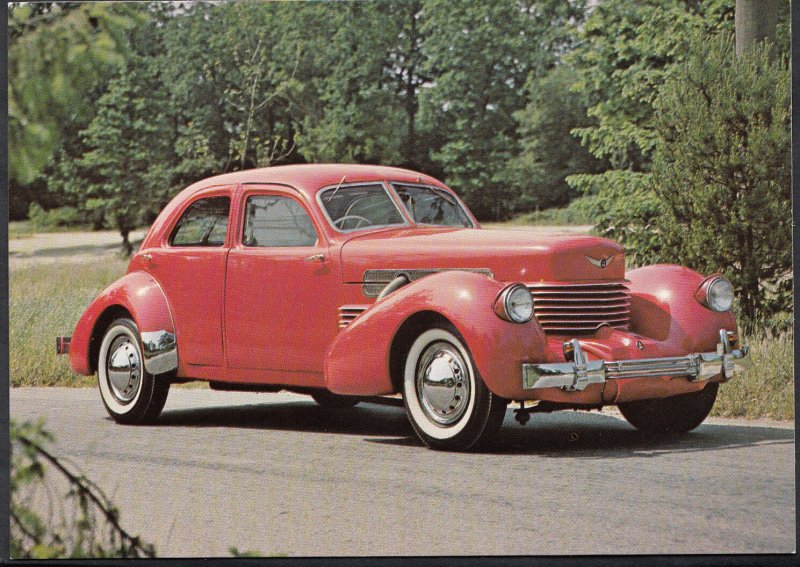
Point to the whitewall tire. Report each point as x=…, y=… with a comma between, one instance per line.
x=130, y=394
x=446, y=400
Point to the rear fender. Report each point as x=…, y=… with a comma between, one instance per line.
x=663, y=307
x=358, y=361
x=141, y=296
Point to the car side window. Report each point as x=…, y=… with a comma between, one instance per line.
x=274, y=220
x=204, y=223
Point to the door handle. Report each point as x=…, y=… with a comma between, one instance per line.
x=315, y=258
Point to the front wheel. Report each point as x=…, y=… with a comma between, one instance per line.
x=130, y=394
x=447, y=402
x=673, y=415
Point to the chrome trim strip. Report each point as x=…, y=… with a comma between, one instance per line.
x=598, y=283
x=160, y=349
x=576, y=375
x=349, y=312
x=376, y=280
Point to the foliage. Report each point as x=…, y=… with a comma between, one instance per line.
x=575, y=214
x=122, y=177
x=356, y=116
x=60, y=217
x=627, y=49
x=623, y=207
x=482, y=55
x=549, y=152
x=722, y=171
x=60, y=55
x=86, y=525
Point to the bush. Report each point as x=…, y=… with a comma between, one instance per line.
x=63, y=216
x=623, y=207
x=722, y=171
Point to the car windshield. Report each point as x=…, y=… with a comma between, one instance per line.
x=428, y=205
x=359, y=207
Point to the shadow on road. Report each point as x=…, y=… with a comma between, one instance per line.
x=562, y=434
x=365, y=419
x=60, y=252
x=587, y=436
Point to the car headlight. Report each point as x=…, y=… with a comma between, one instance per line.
x=716, y=293
x=515, y=304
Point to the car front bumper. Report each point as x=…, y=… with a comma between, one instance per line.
x=577, y=374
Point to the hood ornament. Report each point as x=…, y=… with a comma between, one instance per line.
x=601, y=262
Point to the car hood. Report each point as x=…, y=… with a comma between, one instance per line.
x=511, y=255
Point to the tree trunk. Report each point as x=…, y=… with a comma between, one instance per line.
x=755, y=21
x=127, y=247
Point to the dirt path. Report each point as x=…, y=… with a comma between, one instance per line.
x=67, y=247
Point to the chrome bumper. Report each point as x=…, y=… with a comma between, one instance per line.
x=580, y=372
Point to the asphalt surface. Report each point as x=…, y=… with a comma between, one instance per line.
x=277, y=474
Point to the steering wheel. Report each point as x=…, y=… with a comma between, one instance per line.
x=338, y=223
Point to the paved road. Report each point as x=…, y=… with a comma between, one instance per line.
x=277, y=474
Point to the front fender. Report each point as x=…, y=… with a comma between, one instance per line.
x=358, y=360
x=664, y=308
x=139, y=294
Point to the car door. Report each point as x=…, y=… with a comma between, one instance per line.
x=190, y=266
x=281, y=285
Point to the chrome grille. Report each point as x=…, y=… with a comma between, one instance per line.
x=349, y=312
x=573, y=308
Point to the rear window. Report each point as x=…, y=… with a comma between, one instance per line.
x=204, y=223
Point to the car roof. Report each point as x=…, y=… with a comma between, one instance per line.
x=309, y=178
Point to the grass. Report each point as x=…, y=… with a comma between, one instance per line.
x=573, y=214
x=767, y=388
x=26, y=229
x=45, y=301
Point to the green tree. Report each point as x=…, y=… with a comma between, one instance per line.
x=60, y=57
x=627, y=50
x=549, y=151
x=217, y=63
x=358, y=119
x=125, y=176
x=481, y=55
x=722, y=170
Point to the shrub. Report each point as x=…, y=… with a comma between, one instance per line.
x=722, y=171
x=63, y=216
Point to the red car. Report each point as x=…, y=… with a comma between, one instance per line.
x=351, y=281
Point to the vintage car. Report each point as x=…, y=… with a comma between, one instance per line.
x=352, y=281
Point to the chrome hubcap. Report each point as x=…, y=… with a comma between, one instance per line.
x=442, y=381
x=124, y=369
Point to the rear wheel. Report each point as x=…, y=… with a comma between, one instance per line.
x=449, y=405
x=130, y=394
x=328, y=399
x=673, y=415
